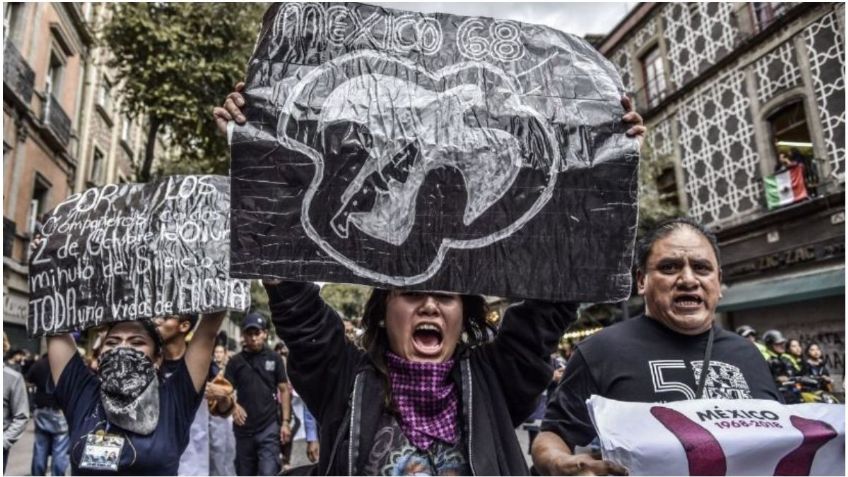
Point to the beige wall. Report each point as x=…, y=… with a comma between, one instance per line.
x=66, y=31
x=45, y=30
x=105, y=124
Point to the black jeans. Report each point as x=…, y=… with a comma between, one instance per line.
x=259, y=454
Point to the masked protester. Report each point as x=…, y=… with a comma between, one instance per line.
x=124, y=419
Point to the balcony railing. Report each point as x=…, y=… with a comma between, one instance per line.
x=57, y=121
x=17, y=74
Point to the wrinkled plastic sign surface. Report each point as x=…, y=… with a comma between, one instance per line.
x=433, y=152
x=134, y=251
x=721, y=437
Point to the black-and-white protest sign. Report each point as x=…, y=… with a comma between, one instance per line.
x=133, y=251
x=432, y=151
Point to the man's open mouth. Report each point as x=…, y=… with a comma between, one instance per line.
x=427, y=338
x=687, y=301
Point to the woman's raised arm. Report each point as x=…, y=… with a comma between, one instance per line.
x=198, y=356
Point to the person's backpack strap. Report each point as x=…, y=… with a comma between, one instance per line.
x=261, y=375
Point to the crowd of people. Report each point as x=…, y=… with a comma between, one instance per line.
x=426, y=387
x=221, y=438
x=790, y=359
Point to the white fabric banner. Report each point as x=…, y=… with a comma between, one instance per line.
x=721, y=437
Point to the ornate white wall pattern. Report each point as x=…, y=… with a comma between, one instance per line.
x=661, y=142
x=647, y=31
x=718, y=153
x=826, y=51
x=776, y=71
x=698, y=35
x=621, y=60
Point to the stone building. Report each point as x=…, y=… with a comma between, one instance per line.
x=62, y=130
x=725, y=88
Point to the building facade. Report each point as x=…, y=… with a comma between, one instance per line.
x=727, y=91
x=62, y=132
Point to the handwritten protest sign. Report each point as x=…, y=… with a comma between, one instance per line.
x=132, y=251
x=721, y=437
x=432, y=151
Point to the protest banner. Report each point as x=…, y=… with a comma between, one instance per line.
x=721, y=437
x=432, y=151
x=132, y=251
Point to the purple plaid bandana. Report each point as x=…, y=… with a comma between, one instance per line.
x=427, y=400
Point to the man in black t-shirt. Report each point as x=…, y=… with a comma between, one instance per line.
x=658, y=357
x=262, y=396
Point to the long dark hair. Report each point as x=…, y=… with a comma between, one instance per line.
x=822, y=358
x=376, y=341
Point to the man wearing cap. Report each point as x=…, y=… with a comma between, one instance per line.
x=262, y=398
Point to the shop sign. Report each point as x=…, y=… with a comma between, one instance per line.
x=785, y=258
x=15, y=307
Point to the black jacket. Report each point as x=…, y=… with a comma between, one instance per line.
x=499, y=382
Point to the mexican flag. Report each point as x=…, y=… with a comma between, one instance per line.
x=785, y=187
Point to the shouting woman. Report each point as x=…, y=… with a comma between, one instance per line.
x=425, y=396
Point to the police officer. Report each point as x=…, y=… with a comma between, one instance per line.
x=781, y=367
x=750, y=334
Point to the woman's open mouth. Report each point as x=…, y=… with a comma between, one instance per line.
x=427, y=338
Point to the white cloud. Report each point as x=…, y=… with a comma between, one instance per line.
x=577, y=18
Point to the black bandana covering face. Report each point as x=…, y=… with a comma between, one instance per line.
x=129, y=389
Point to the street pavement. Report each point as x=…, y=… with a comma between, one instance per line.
x=20, y=456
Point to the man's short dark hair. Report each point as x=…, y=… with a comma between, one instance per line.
x=663, y=230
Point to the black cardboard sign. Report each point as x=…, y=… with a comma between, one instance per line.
x=134, y=251
x=432, y=151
